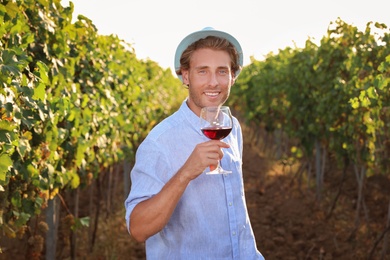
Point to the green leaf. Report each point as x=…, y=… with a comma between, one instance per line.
x=12, y=9
x=5, y=165
x=23, y=217
x=81, y=222
x=43, y=72
x=6, y=125
x=39, y=92
x=84, y=221
x=354, y=102
x=81, y=148
x=16, y=200
x=75, y=181
x=23, y=147
x=33, y=171
x=9, y=63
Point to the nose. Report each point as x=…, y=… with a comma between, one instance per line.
x=213, y=82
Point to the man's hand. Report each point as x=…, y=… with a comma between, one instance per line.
x=205, y=155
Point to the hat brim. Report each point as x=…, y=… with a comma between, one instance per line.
x=208, y=31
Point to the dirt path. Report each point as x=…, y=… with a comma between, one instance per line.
x=290, y=224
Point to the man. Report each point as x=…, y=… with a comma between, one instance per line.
x=178, y=210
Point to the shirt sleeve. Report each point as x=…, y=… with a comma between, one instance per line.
x=146, y=175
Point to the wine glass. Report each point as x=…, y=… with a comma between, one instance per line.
x=216, y=123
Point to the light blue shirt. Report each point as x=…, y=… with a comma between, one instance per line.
x=211, y=219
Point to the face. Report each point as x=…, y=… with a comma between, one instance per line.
x=209, y=78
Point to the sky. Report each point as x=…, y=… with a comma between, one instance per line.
x=155, y=27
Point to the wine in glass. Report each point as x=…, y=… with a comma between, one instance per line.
x=216, y=123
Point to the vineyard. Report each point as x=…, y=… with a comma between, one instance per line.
x=75, y=105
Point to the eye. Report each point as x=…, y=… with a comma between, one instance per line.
x=223, y=71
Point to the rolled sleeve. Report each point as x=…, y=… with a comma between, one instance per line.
x=145, y=182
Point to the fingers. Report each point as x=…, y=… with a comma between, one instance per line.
x=212, y=149
x=209, y=153
x=218, y=143
x=204, y=155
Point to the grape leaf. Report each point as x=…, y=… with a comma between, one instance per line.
x=5, y=165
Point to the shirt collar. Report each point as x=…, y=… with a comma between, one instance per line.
x=191, y=117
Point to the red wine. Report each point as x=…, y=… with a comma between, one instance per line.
x=216, y=133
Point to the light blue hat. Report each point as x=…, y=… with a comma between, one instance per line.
x=207, y=31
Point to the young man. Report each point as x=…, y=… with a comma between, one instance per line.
x=178, y=210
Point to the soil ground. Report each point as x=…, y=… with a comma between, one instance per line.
x=287, y=219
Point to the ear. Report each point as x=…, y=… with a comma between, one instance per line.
x=184, y=76
x=233, y=79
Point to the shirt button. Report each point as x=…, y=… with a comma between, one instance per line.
x=234, y=233
x=230, y=204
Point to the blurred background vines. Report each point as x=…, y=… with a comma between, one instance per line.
x=331, y=100
x=74, y=106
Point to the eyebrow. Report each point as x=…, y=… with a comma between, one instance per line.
x=201, y=67
x=206, y=67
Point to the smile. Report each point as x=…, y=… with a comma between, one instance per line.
x=211, y=94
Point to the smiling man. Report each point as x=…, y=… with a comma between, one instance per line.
x=173, y=206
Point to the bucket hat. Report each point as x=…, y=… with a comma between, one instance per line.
x=207, y=31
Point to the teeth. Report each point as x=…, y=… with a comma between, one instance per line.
x=211, y=94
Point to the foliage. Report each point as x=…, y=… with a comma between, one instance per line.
x=72, y=103
x=336, y=94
